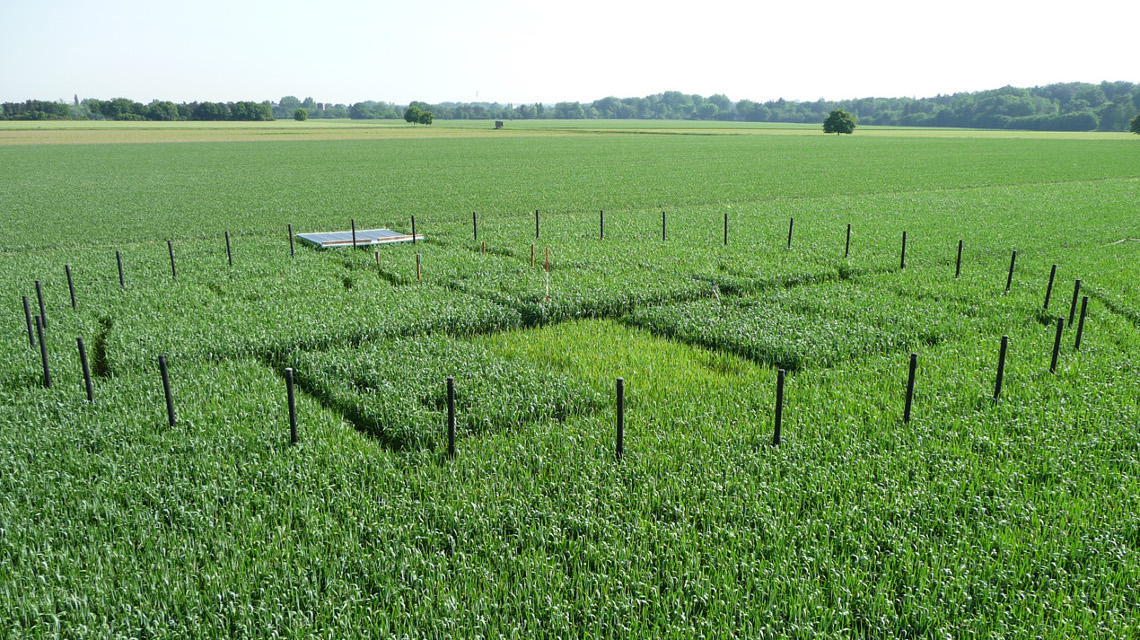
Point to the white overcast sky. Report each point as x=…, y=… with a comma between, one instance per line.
x=515, y=51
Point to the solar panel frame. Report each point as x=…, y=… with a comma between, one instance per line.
x=364, y=238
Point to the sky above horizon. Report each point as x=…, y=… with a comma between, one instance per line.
x=512, y=51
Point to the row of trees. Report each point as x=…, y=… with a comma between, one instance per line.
x=126, y=109
x=1073, y=106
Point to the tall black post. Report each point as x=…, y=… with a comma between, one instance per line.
x=28, y=318
x=451, y=416
x=1073, y=308
x=1057, y=345
x=910, y=387
x=536, y=224
x=602, y=224
x=779, y=406
x=1049, y=289
x=1081, y=324
x=726, y=229
x=662, y=226
x=43, y=351
x=620, y=418
x=86, y=370
x=70, y=284
x=847, y=247
x=166, y=389
x=292, y=254
x=902, y=260
x=791, y=223
x=1009, y=280
x=1001, y=366
x=413, y=230
x=119, y=260
x=229, y=253
x=43, y=316
x=353, y=221
x=958, y=269
x=170, y=248
x=292, y=405
x=475, y=225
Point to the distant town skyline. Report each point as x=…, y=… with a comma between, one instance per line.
x=520, y=52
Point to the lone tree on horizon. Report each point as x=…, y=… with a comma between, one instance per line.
x=839, y=121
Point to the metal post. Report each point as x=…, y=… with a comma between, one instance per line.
x=166, y=389
x=780, y=373
x=620, y=418
x=229, y=253
x=475, y=225
x=602, y=224
x=1049, y=289
x=847, y=248
x=43, y=351
x=291, y=252
x=536, y=224
x=726, y=229
x=902, y=260
x=1009, y=280
x=417, y=267
x=1073, y=308
x=413, y=230
x=791, y=223
x=958, y=269
x=1001, y=366
x=28, y=318
x=70, y=284
x=43, y=315
x=910, y=387
x=86, y=370
x=662, y=226
x=1081, y=324
x=353, y=221
x=1057, y=345
x=451, y=416
x=292, y=405
x=119, y=260
x=170, y=248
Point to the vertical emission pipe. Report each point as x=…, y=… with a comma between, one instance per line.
x=292, y=405
x=902, y=260
x=119, y=260
x=229, y=252
x=847, y=247
x=292, y=254
x=1009, y=280
x=170, y=248
x=602, y=224
x=43, y=351
x=353, y=222
x=28, y=319
x=43, y=314
x=1057, y=345
x=475, y=225
x=166, y=389
x=1073, y=308
x=70, y=284
x=662, y=226
x=726, y=229
x=86, y=370
x=413, y=230
x=536, y=224
x=958, y=268
x=791, y=223
x=910, y=387
x=620, y=450
x=451, y=416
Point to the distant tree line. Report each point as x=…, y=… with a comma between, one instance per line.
x=1072, y=106
x=125, y=109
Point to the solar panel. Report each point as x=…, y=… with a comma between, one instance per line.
x=364, y=238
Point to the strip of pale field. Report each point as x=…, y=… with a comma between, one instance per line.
x=102, y=132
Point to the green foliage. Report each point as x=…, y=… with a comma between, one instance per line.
x=1134, y=127
x=425, y=117
x=300, y=114
x=412, y=114
x=839, y=121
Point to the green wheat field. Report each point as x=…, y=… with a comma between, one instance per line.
x=1009, y=518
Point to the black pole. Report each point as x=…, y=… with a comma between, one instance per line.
x=39, y=296
x=119, y=259
x=1057, y=345
x=413, y=230
x=43, y=351
x=86, y=370
x=602, y=224
x=1001, y=366
x=910, y=386
x=166, y=389
x=28, y=318
x=536, y=224
x=291, y=253
x=902, y=260
x=847, y=248
x=958, y=269
x=1049, y=289
x=475, y=225
x=726, y=229
x=353, y=221
x=451, y=416
x=170, y=247
x=791, y=222
x=1081, y=324
x=620, y=418
x=779, y=406
x=1073, y=308
x=1009, y=280
x=662, y=226
x=292, y=405
x=229, y=253
x=70, y=284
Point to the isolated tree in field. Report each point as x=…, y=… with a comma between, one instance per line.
x=1135, y=126
x=839, y=121
x=426, y=117
x=301, y=114
x=412, y=115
